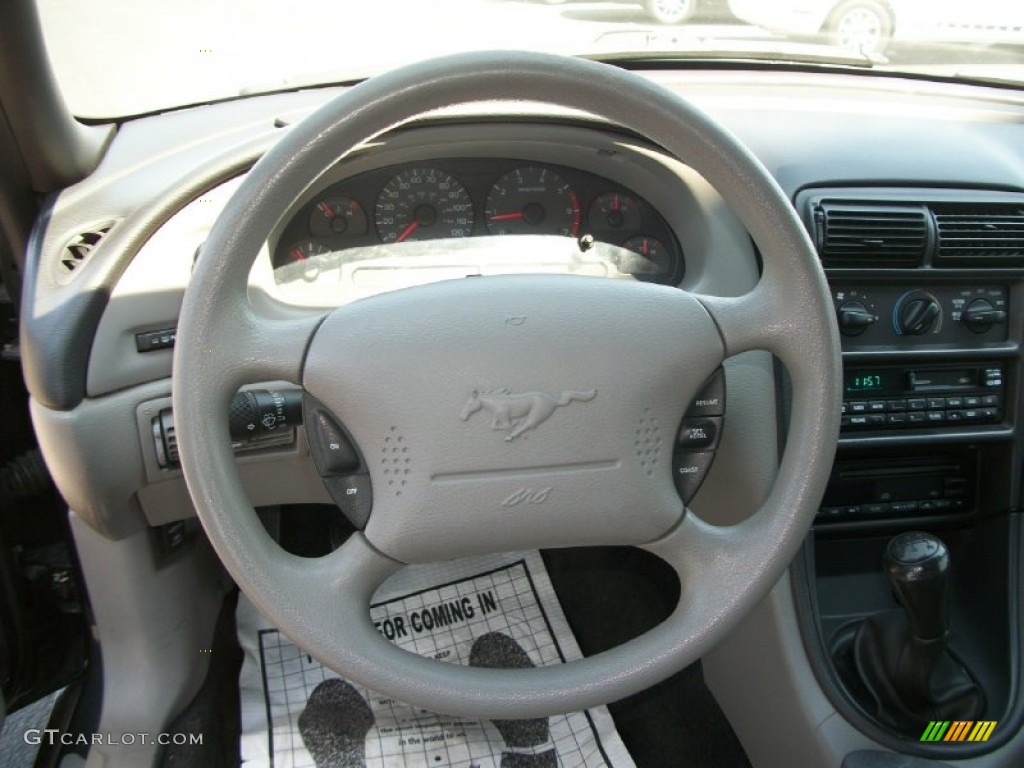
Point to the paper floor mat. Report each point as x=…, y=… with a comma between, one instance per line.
x=295, y=712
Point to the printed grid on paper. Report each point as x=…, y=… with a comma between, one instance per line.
x=407, y=736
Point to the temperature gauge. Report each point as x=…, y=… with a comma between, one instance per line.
x=614, y=210
x=338, y=215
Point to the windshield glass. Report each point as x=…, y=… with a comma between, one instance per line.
x=124, y=57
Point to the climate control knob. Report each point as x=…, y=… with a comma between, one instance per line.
x=917, y=314
x=854, y=318
x=980, y=315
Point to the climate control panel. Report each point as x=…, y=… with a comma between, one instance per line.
x=908, y=317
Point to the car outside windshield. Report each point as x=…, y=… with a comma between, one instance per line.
x=116, y=58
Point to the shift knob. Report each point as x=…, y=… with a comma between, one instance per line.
x=917, y=565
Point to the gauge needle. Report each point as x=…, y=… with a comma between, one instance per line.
x=507, y=216
x=297, y=254
x=413, y=226
x=327, y=210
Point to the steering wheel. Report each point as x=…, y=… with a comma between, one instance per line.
x=402, y=367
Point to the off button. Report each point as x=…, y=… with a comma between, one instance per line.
x=700, y=434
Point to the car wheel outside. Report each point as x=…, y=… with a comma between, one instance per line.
x=670, y=11
x=863, y=26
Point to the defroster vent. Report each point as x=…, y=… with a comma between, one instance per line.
x=870, y=234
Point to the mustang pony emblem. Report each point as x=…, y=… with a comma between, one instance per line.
x=518, y=413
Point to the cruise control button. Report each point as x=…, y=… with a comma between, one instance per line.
x=354, y=497
x=689, y=471
x=700, y=434
x=710, y=401
x=332, y=451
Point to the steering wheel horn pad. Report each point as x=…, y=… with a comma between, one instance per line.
x=515, y=412
x=443, y=366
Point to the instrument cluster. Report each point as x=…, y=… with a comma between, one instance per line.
x=474, y=197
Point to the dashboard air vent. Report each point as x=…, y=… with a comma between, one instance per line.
x=870, y=234
x=77, y=251
x=971, y=234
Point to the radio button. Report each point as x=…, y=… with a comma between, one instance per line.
x=917, y=404
x=990, y=414
x=876, y=509
x=936, y=402
x=903, y=507
x=972, y=402
x=845, y=409
x=955, y=415
x=972, y=414
x=990, y=401
x=897, y=418
x=876, y=406
x=876, y=419
x=896, y=405
x=858, y=406
x=917, y=417
x=936, y=416
x=954, y=402
x=858, y=421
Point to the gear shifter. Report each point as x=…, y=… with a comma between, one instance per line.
x=902, y=657
x=917, y=565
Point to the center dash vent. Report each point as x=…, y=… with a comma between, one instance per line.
x=971, y=234
x=78, y=250
x=870, y=234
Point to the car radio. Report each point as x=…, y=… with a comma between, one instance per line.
x=900, y=397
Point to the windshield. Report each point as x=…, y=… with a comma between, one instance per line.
x=124, y=57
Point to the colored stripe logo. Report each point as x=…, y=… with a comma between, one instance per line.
x=959, y=730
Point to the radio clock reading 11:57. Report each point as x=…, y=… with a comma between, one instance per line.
x=864, y=382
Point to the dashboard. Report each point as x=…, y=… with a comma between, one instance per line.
x=452, y=198
x=912, y=192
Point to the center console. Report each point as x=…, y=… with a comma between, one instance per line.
x=928, y=289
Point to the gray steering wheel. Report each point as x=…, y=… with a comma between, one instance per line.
x=402, y=368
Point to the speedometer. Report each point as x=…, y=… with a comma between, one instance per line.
x=423, y=204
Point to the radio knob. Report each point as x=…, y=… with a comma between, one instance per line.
x=980, y=315
x=918, y=315
x=854, y=318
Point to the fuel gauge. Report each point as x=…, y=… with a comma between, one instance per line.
x=655, y=258
x=338, y=215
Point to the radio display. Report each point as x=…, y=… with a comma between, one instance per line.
x=869, y=381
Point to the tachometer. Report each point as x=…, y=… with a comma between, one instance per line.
x=532, y=200
x=423, y=204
